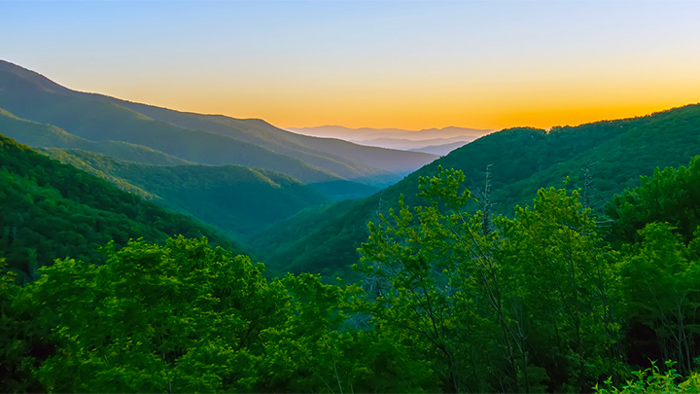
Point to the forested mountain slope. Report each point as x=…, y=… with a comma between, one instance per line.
x=237, y=199
x=50, y=210
x=31, y=96
x=520, y=161
x=211, y=140
x=39, y=135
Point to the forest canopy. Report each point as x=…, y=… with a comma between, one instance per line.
x=552, y=298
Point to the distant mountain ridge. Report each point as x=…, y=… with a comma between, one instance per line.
x=203, y=139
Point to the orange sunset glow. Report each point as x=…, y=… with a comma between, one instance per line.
x=389, y=64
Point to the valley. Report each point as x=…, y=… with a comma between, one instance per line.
x=141, y=246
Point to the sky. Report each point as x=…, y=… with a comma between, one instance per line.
x=403, y=64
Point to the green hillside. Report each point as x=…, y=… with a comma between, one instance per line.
x=236, y=199
x=50, y=210
x=615, y=152
x=39, y=135
x=344, y=190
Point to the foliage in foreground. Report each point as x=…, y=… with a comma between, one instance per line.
x=451, y=301
x=185, y=317
x=653, y=380
x=515, y=305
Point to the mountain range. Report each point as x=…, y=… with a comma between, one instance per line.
x=201, y=139
x=299, y=203
x=215, y=163
x=441, y=149
x=368, y=133
x=435, y=141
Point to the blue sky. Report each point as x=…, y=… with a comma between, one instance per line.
x=370, y=63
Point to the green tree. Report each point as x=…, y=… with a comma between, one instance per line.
x=321, y=348
x=670, y=195
x=409, y=255
x=182, y=317
x=660, y=280
x=16, y=328
x=563, y=288
x=524, y=306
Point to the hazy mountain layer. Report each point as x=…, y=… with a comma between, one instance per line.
x=441, y=150
x=407, y=140
x=407, y=144
x=367, y=133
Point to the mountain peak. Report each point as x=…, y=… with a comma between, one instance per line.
x=18, y=73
